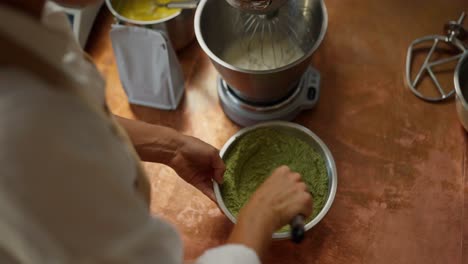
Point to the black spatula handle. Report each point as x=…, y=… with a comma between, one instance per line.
x=297, y=229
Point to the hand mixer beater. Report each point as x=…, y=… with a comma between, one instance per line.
x=270, y=34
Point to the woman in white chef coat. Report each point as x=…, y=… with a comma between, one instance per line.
x=71, y=188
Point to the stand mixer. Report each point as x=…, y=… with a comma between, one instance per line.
x=262, y=50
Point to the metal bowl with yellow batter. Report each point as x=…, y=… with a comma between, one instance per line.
x=176, y=23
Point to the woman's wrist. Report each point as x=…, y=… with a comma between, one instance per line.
x=259, y=216
x=153, y=143
x=177, y=148
x=254, y=228
x=161, y=147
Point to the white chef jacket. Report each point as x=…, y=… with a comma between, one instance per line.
x=71, y=189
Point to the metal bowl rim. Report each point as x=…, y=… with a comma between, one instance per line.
x=328, y=159
x=138, y=22
x=456, y=78
x=221, y=62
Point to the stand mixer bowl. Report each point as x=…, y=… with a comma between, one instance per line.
x=216, y=30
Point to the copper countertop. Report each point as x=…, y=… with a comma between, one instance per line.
x=401, y=161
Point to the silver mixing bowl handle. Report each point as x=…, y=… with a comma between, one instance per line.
x=189, y=4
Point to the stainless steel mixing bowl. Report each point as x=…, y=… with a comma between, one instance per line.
x=216, y=29
x=461, y=88
x=301, y=133
x=178, y=27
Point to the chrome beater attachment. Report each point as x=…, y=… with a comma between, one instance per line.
x=455, y=34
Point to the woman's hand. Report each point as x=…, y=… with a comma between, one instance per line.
x=274, y=204
x=280, y=198
x=198, y=163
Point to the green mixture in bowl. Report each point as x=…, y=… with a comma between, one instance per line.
x=255, y=155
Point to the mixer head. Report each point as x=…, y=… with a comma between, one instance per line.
x=257, y=6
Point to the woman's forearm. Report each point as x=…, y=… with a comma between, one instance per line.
x=253, y=228
x=153, y=143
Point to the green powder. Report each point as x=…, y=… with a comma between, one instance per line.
x=254, y=157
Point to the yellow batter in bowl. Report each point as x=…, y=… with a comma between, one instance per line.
x=144, y=10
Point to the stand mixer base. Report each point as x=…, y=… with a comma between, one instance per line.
x=247, y=114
